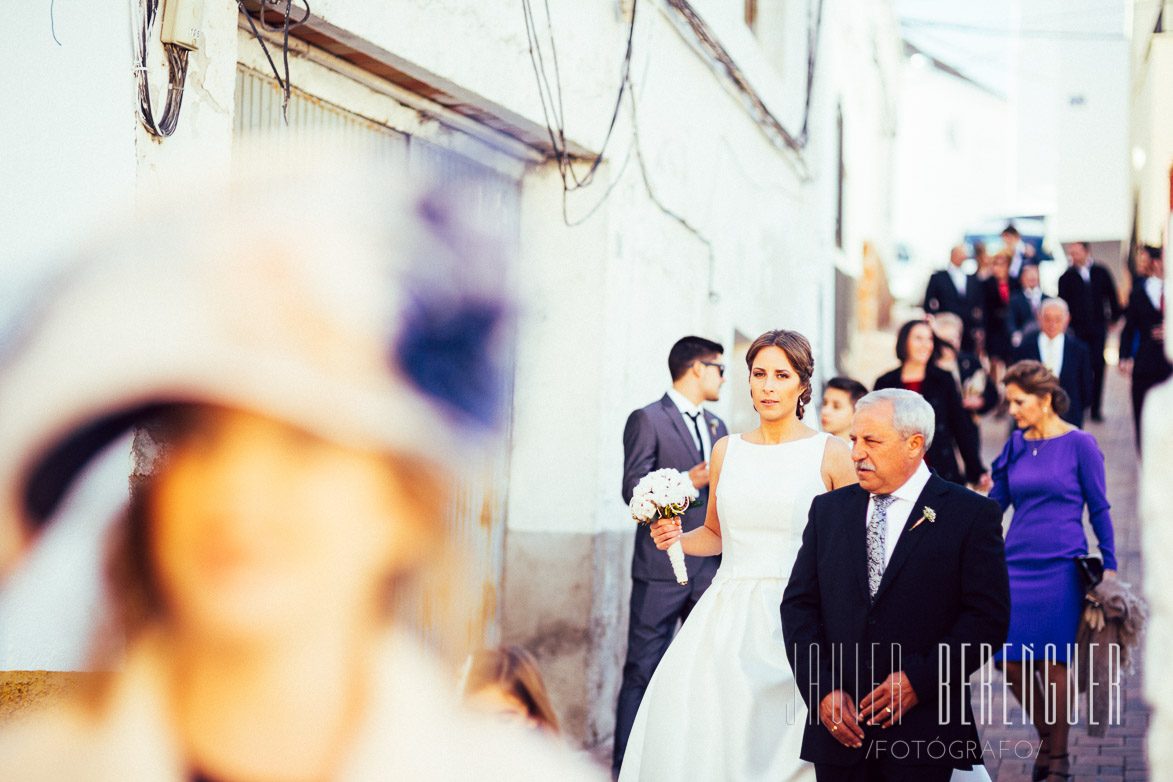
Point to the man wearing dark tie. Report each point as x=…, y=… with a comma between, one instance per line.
x=1063, y=354
x=898, y=594
x=674, y=431
x=1090, y=293
x=1025, y=305
x=1144, y=327
x=952, y=290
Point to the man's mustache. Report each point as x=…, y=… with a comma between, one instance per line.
x=865, y=464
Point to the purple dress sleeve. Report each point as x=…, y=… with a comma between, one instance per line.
x=1000, y=474
x=1093, y=484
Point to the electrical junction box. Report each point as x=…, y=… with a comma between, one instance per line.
x=183, y=22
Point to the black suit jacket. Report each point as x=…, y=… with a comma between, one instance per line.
x=954, y=425
x=941, y=296
x=1075, y=376
x=655, y=437
x=1149, y=360
x=1093, y=304
x=944, y=594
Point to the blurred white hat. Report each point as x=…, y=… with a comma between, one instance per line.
x=344, y=300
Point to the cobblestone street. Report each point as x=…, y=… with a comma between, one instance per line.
x=1120, y=755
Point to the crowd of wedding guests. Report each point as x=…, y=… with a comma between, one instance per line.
x=1005, y=316
x=991, y=346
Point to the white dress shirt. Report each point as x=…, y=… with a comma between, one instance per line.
x=1085, y=271
x=898, y=512
x=1152, y=287
x=1052, y=360
x=958, y=276
x=688, y=409
x=1035, y=297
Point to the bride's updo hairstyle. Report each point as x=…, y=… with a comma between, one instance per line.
x=798, y=353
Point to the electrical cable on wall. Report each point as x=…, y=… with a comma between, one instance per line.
x=287, y=25
x=551, y=98
x=144, y=14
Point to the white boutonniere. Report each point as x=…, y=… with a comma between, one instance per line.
x=929, y=515
x=713, y=426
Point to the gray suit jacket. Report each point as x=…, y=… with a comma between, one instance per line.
x=655, y=437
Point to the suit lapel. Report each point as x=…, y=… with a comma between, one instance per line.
x=910, y=539
x=677, y=420
x=715, y=428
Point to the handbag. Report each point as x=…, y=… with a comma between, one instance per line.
x=1091, y=571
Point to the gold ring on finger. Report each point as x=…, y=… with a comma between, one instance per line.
x=834, y=727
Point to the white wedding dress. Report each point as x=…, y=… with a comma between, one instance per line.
x=723, y=704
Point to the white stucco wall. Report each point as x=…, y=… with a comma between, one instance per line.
x=954, y=168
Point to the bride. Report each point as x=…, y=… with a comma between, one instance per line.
x=722, y=704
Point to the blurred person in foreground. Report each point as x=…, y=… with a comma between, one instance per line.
x=313, y=391
x=507, y=683
x=1142, y=343
x=917, y=351
x=1049, y=471
x=839, y=398
x=1063, y=355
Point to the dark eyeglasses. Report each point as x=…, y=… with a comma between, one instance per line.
x=720, y=367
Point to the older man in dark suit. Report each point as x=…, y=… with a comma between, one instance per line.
x=898, y=594
x=952, y=290
x=674, y=431
x=1090, y=293
x=1063, y=354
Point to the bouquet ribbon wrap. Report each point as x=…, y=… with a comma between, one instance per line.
x=665, y=494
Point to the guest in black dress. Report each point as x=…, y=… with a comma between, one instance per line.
x=917, y=350
x=999, y=290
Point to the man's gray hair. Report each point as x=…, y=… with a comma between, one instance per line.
x=1057, y=303
x=911, y=414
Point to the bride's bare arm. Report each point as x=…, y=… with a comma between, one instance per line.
x=704, y=541
x=838, y=469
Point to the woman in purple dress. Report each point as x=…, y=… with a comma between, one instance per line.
x=1049, y=470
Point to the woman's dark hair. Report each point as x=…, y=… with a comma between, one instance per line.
x=798, y=353
x=515, y=672
x=853, y=388
x=1035, y=379
x=687, y=351
x=902, y=340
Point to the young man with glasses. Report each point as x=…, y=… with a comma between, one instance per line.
x=674, y=431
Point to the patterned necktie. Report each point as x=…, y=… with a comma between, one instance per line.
x=877, y=532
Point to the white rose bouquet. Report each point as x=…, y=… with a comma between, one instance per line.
x=665, y=494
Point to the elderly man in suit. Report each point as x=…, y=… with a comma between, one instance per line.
x=952, y=290
x=1144, y=327
x=1090, y=293
x=674, y=431
x=1063, y=354
x=898, y=594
